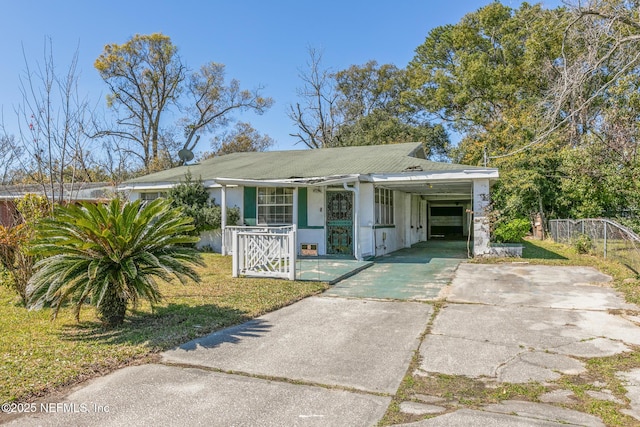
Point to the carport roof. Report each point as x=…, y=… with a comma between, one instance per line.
x=407, y=158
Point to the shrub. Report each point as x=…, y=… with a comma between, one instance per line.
x=193, y=198
x=15, y=241
x=583, y=244
x=110, y=255
x=512, y=231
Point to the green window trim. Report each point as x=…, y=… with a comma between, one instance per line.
x=250, y=206
x=302, y=208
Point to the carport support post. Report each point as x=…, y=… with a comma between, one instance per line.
x=481, y=200
x=223, y=217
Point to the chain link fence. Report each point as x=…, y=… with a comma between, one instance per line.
x=600, y=236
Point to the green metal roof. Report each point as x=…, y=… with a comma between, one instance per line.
x=325, y=162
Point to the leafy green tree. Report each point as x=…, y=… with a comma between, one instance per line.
x=485, y=75
x=380, y=127
x=373, y=110
x=365, y=89
x=243, y=138
x=488, y=77
x=361, y=105
x=110, y=255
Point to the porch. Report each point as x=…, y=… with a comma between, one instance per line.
x=271, y=252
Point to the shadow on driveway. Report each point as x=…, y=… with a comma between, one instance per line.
x=252, y=329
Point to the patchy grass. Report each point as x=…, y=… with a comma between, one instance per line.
x=600, y=376
x=38, y=355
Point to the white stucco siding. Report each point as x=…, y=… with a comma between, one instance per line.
x=215, y=194
x=417, y=218
x=235, y=197
x=315, y=206
x=385, y=240
x=313, y=236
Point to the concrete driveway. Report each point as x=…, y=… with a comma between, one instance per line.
x=335, y=361
x=523, y=324
x=319, y=362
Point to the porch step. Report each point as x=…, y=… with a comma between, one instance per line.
x=330, y=271
x=351, y=273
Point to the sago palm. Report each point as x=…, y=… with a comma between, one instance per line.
x=110, y=255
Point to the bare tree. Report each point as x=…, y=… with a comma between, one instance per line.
x=591, y=91
x=144, y=77
x=318, y=117
x=147, y=79
x=52, y=122
x=211, y=101
x=9, y=151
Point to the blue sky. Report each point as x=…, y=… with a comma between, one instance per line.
x=260, y=42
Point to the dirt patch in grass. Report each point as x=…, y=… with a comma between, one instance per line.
x=38, y=356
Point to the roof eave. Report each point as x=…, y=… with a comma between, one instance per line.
x=469, y=174
x=290, y=182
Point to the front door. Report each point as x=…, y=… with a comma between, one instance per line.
x=339, y=223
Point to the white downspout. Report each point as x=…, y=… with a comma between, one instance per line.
x=356, y=218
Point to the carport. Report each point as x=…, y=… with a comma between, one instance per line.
x=440, y=205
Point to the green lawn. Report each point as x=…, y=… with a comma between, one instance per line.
x=38, y=355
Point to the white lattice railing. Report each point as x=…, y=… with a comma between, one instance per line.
x=227, y=242
x=264, y=251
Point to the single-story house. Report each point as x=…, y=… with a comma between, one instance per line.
x=358, y=201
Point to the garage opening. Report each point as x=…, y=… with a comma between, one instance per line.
x=447, y=222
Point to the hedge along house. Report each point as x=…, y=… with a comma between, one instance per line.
x=359, y=201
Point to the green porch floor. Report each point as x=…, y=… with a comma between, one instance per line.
x=416, y=273
x=330, y=270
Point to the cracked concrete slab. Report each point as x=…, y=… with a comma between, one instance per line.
x=545, y=412
x=470, y=417
x=169, y=395
x=631, y=381
x=596, y=347
x=360, y=344
x=443, y=354
x=538, y=366
x=416, y=408
x=536, y=327
x=535, y=286
x=558, y=396
x=604, y=395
